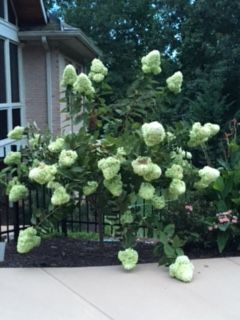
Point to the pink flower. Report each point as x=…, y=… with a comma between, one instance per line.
x=189, y=207
x=210, y=228
x=234, y=220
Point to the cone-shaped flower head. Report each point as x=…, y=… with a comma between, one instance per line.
x=83, y=85
x=90, y=188
x=114, y=185
x=127, y=217
x=151, y=62
x=200, y=134
x=174, y=83
x=60, y=196
x=110, y=167
x=97, y=71
x=18, y=192
x=56, y=146
x=207, y=175
x=182, y=269
x=67, y=158
x=175, y=172
x=177, y=187
x=13, y=158
x=16, y=133
x=69, y=75
x=43, y=173
x=27, y=240
x=146, y=191
x=158, y=202
x=128, y=258
x=153, y=133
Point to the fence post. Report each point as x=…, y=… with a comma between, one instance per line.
x=16, y=220
x=101, y=227
x=64, y=227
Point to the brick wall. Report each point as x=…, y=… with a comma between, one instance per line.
x=34, y=68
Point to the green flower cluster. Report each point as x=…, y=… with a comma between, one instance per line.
x=83, y=85
x=69, y=75
x=18, y=192
x=97, y=71
x=60, y=196
x=67, y=158
x=146, y=191
x=153, y=133
x=127, y=217
x=114, y=185
x=177, y=187
x=43, y=173
x=174, y=83
x=53, y=185
x=128, y=258
x=90, y=188
x=151, y=62
x=12, y=158
x=34, y=141
x=200, y=134
x=110, y=167
x=144, y=167
x=182, y=269
x=56, y=146
x=207, y=175
x=16, y=133
x=27, y=240
x=158, y=202
x=175, y=172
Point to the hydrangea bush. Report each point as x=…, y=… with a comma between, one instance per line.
x=119, y=152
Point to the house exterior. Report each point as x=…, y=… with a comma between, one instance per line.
x=34, y=49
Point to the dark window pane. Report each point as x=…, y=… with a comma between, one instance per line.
x=16, y=117
x=2, y=73
x=11, y=15
x=1, y=9
x=14, y=72
x=3, y=124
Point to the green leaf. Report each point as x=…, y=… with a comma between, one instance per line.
x=219, y=184
x=222, y=240
x=162, y=237
x=168, y=250
x=169, y=230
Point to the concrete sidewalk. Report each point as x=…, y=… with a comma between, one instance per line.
x=103, y=293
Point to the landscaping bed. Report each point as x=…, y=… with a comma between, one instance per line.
x=66, y=252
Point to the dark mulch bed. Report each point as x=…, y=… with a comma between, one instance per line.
x=67, y=252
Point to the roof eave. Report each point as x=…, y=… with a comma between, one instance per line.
x=55, y=35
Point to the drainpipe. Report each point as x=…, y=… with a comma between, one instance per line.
x=49, y=83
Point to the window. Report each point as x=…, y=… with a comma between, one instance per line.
x=10, y=97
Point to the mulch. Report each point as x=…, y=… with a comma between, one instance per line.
x=67, y=252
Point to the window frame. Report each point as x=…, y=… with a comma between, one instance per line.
x=9, y=34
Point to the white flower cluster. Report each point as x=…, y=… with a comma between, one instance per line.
x=127, y=217
x=151, y=62
x=69, y=75
x=158, y=202
x=146, y=191
x=97, y=71
x=18, y=192
x=128, y=258
x=90, y=188
x=34, y=141
x=114, y=185
x=153, y=133
x=67, y=158
x=27, y=240
x=177, y=187
x=207, y=175
x=56, y=146
x=174, y=83
x=43, y=173
x=110, y=167
x=200, y=134
x=13, y=158
x=175, y=172
x=16, y=133
x=144, y=167
x=182, y=269
x=83, y=85
x=60, y=196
